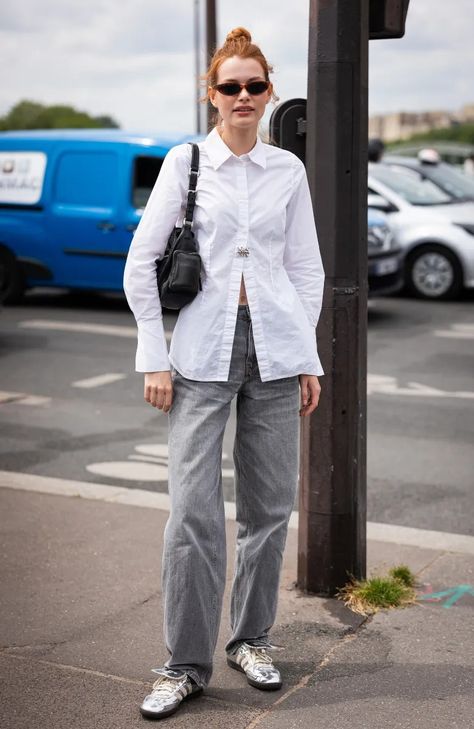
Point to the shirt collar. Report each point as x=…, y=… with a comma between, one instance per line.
x=218, y=151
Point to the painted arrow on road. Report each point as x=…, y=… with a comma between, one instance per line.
x=453, y=593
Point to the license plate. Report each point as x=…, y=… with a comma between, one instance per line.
x=387, y=265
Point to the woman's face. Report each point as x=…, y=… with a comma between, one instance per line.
x=241, y=70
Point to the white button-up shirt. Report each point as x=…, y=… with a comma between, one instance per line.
x=253, y=217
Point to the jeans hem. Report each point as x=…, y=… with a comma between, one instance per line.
x=192, y=672
x=263, y=642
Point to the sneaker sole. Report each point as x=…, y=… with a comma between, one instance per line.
x=251, y=681
x=163, y=714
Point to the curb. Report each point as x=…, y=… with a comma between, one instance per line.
x=389, y=533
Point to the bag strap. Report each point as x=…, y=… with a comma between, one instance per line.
x=193, y=175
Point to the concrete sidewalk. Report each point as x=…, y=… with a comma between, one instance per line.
x=81, y=626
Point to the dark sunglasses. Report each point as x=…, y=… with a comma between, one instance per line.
x=232, y=88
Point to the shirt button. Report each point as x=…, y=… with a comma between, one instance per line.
x=243, y=251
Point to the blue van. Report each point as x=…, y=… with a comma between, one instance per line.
x=70, y=201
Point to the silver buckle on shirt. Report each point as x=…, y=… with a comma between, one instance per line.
x=243, y=251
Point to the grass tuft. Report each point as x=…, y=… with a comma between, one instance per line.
x=404, y=574
x=368, y=596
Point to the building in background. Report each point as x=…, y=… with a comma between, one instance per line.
x=403, y=125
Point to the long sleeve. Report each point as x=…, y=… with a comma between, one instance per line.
x=162, y=212
x=302, y=257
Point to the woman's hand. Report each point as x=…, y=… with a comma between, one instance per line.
x=159, y=390
x=310, y=390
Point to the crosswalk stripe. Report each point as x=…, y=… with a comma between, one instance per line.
x=34, y=400
x=10, y=396
x=21, y=398
x=456, y=331
x=114, y=330
x=99, y=380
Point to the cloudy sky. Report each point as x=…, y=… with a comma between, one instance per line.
x=135, y=60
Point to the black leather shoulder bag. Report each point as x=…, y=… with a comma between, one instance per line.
x=178, y=272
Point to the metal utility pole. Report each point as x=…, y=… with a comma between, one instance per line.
x=332, y=510
x=197, y=62
x=211, y=43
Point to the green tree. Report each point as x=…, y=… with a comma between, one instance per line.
x=33, y=115
x=462, y=133
x=21, y=116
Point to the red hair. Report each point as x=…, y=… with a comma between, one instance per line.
x=238, y=42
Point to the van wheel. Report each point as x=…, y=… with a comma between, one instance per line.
x=12, y=282
x=433, y=272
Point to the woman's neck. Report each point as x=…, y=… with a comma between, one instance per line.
x=239, y=141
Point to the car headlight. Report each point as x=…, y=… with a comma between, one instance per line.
x=379, y=237
x=468, y=227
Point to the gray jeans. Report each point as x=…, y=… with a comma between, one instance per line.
x=266, y=471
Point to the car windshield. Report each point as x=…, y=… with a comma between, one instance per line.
x=451, y=180
x=409, y=185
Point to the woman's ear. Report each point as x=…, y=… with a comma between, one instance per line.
x=211, y=93
x=269, y=92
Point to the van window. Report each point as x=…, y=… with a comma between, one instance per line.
x=87, y=179
x=21, y=177
x=145, y=172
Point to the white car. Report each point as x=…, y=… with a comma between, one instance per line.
x=435, y=233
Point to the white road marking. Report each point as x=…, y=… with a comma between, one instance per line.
x=386, y=385
x=159, y=450
x=99, y=380
x=149, y=463
x=394, y=534
x=10, y=396
x=456, y=331
x=113, y=330
x=130, y=471
x=34, y=400
x=21, y=398
x=143, y=468
x=148, y=459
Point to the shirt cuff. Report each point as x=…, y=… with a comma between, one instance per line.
x=152, y=350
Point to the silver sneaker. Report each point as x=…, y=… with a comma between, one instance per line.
x=257, y=665
x=169, y=690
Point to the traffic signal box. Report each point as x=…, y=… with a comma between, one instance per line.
x=387, y=18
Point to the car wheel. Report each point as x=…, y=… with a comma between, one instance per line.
x=433, y=272
x=12, y=284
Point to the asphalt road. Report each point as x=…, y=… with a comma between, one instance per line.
x=71, y=405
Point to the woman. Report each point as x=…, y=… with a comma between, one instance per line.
x=249, y=333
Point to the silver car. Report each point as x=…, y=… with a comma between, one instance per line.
x=435, y=232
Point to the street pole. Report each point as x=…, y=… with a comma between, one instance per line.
x=332, y=509
x=211, y=42
x=197, y=62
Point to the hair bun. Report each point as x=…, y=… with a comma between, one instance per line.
x=237, y=34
